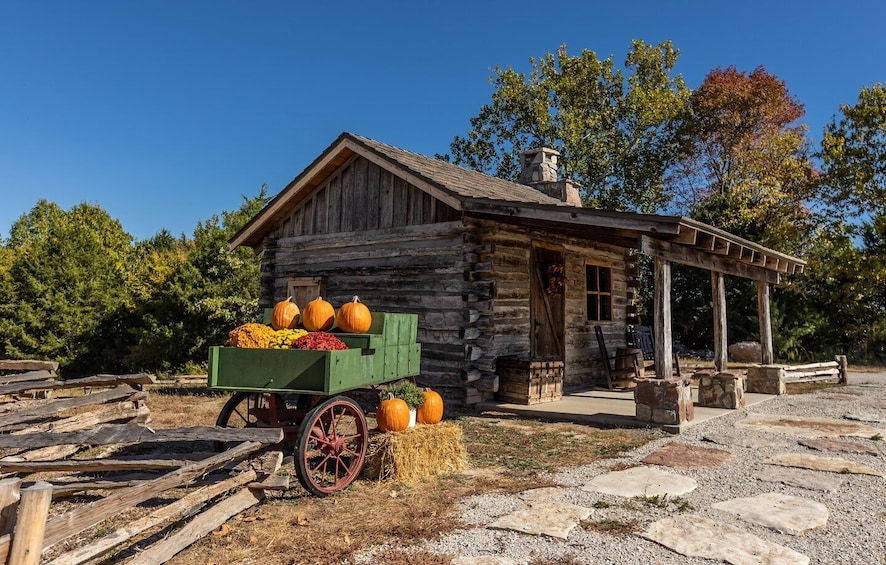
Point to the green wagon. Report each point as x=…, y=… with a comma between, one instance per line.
x=302, y=392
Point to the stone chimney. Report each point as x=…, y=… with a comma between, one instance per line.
x=539, y=170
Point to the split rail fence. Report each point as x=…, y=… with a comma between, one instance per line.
x=50, y=451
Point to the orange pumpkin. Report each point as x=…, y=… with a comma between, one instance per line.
x=354, y=317
x=431, y=412
x=285, y=315
x=392, y=415
x=318, y=316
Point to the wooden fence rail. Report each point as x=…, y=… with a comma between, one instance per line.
x=37, y=435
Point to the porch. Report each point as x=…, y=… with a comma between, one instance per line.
x=608, y=408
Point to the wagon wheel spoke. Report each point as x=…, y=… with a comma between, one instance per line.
x=331, y=446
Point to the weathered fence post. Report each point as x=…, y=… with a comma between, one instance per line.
x=30, y=525
x=9, y=496
x=843, y=368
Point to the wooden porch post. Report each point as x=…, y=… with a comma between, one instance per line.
x=765, y=322
x=718, y=293
x=664, y=355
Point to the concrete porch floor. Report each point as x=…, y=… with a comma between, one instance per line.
x=608, y=408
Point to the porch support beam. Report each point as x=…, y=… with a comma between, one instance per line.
x=718, y=292
x=765, y=323
x=704, y=260
x=664, y=354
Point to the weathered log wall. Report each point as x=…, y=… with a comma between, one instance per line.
x=418, y=269
x=507, y=249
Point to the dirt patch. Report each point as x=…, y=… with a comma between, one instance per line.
x=687, y=456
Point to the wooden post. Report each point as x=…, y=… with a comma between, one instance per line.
x=9, y=496
x=768, y=356
x=718, y=293
x=664, y=354
x=842, y=369
x=30, y=525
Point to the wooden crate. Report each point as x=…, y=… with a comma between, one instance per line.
x=529, y=381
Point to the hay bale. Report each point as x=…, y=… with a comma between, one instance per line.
x=416, y=453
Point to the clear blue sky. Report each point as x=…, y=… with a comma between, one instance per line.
x=166, y=112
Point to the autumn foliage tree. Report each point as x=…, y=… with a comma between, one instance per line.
x=613, y=128
x=744, y=159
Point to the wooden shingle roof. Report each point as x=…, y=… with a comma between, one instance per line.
x=459, y=181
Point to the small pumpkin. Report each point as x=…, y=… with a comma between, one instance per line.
x=318, y=315
x=392, y=415
x=431, y=412
x=354, y=317
x=285, y=315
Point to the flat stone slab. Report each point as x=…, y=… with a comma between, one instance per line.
x=543, y=494
x=694, y=536
x=554, y=519
x=870, y=417
x=801, y=478
x=783, y=513
x=676, y=454
x=816, y=463
x=749, y=439
x=641, y=481
x=839, y=445
x=808, y=427
x=483, y=560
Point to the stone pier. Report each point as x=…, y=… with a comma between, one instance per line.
x=666, y=402
x=721, y=390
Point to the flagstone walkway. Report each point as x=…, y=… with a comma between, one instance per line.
x=764, y=488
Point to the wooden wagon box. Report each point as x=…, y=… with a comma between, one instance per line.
x=388, y=351
x=529, y=381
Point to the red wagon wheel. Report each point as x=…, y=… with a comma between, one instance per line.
x=331, y=446
x=246, y=410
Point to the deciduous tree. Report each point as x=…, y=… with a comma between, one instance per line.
x=853, y=154
x=744, y=158
x=614, y=128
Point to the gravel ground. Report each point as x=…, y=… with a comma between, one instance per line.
x=855, y=533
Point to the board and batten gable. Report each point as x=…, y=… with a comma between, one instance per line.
x=360, y=196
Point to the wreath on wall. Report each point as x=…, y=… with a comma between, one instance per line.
x=555, y=273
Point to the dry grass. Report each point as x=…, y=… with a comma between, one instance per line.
x=504, y=455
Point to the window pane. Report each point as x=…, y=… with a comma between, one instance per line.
x=593, y=313
x=605, y=279
x=591, y=271
x=605, y=307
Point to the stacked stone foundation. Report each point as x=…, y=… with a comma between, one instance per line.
x=664, y=401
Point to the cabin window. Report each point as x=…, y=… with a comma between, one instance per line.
x=304, y=289
x=598, y=286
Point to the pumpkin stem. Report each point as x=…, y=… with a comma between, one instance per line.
x=356, y=299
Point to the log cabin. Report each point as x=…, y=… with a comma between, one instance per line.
x=495, y=269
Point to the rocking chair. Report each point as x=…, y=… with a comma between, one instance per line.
x=641, y=338
x=613, y=373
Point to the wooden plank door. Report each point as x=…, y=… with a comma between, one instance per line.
x=547, y=306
